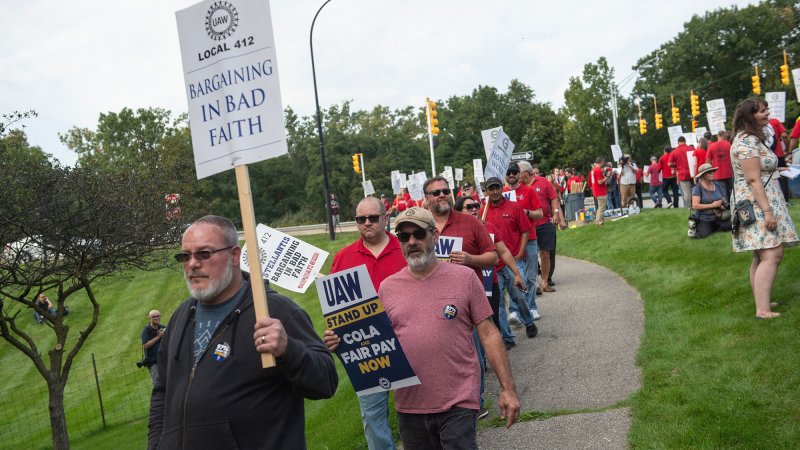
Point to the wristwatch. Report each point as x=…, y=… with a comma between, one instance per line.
x=555, y=210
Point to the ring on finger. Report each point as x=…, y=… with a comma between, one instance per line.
x=263, y=339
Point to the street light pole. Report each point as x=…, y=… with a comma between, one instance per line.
x=325, y=189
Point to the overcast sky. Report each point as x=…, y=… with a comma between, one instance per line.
x=71, y=61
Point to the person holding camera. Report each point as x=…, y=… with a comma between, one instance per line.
x=712, y=211
x=627, y=180
x=151, y=340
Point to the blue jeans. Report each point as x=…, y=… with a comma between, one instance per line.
x=531, y=269
x=655, y=194
x=375, y=417
x=506, y=280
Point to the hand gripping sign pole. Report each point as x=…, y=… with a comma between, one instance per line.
x=251, y=242
x=232, y=88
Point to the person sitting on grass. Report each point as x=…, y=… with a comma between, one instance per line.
x=712, y=211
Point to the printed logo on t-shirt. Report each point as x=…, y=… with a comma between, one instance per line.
x=222, y=351
x=450, y=312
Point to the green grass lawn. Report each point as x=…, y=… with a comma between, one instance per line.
x=713, y=376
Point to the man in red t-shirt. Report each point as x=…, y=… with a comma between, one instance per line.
x=598, y=178
x=793, y=139
x=654, y=171
x=668, y=180
x=477, y=249
x=779, y=142
x=380, y=252
x=511, y=220
x=719, y=156
x=545, y=227
x=679, y=161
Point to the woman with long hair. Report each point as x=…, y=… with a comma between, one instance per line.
x=754, y=167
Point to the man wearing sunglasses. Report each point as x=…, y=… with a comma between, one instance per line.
x=434, y=307
x=477, y=249
x=380, y=252
x=151, y=341
x=211, y=391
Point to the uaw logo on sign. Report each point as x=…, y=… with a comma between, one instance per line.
x=221, y=20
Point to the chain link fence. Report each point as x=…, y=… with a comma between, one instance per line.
x=123, y=388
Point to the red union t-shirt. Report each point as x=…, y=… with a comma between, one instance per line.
x=545, y=193
x=666, y=170
x=653, y=170
x=527, y=199
x=476, y=239
x=796, y=130
x=388, y=262
x=509, y=218
x=598, y=189
x=778, y=128
x=720, y=156
x=439, y=347
x=679, y=158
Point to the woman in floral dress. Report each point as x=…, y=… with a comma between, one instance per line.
x=755, y=172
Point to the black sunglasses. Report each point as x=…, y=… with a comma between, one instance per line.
x=436, y=192
x=202, y=255
x=361, y=220
x=512, y=172
x=473, y=206
x=418, y=234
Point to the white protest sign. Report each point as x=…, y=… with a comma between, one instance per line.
x=459, y=174
x=477, y=170
x=796, y=76
x=510, y=195
x=231, y=75
x=415, y=183
x=776, y=102
x=285, y=260
x=692, y=160
x=489, y=137
x=700, y=132
x=369, y=351
x=498, y=161
x=691, y=139
x=616, y=152
x=368, y=189
x=395, y=177
x=447, y=245
x=646, y=175
x=674, y=133
x=448, y=175
x=716, y=115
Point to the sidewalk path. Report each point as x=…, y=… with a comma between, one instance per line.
x=584, y=357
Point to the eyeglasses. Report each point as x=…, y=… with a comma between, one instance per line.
x=437, y=192
x=418, y=234
x=155, y=317
x=361, y=220
x=473, y=206
x=202, y=255
x=512, y=172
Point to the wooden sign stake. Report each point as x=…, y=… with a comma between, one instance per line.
x=253, y=252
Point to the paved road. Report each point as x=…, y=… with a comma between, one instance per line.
x=583, y=357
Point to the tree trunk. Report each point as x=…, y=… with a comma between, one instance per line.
x=58, y=418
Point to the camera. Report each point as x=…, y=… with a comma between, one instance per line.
x=142, y=363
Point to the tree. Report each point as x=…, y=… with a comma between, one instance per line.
x=85, y=224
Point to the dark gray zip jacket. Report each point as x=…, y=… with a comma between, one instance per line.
x=231, y=402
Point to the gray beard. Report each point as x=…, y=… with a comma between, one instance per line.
x=420, y=264
x=441, y=209
x=214, y=287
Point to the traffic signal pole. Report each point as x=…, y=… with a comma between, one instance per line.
x=363, y=173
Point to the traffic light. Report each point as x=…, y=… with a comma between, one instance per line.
x=695, y=101
x=676, y=113
x=357, y=163
x=433, y=122
x=785, y=71
x=694, y=125
x=642, y=126
x=756, y=82
x=659, y=122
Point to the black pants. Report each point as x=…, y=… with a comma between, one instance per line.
x=639, y=199
x=706, y=228
x=783, y=181
x=670, y=183
x=553, y=258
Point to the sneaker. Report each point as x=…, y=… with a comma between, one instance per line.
x=538, y=291
x=531, y=331
x=509, y=345
x=535, y=314
x=483, y=413
x=548, y=289
x=550, y=283
x=513, y=319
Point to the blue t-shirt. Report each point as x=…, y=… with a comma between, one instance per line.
x=208, y=317
x=707, y=197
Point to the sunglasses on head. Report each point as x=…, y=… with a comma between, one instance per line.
x=512, y=172
x=437, y=192
x=202, y=255
x=418, y=234
x=472, y=206
x=361, y=220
